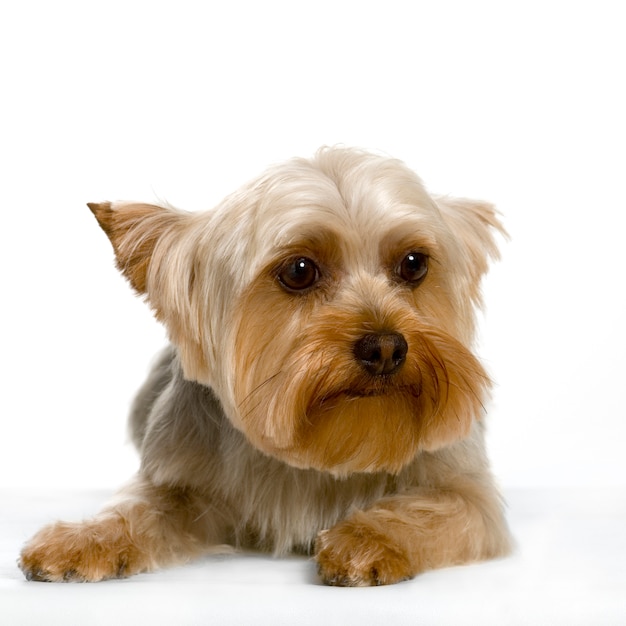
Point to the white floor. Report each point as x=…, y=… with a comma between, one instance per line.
x=569, y=568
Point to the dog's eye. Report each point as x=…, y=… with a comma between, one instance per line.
x=299, y=274
x=413, y=267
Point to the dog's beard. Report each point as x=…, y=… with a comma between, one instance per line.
x=318, y=408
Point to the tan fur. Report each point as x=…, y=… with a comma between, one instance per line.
x=263, y=424
x=146, y=526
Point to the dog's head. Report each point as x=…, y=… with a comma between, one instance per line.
x=329, y=304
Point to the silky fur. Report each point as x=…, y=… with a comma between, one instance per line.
x=258, y=427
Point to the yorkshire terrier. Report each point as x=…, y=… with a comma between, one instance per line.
x=320, y=393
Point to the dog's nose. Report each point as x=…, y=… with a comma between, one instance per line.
x=381, y=354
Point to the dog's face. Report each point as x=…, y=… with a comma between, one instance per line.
x=329, y=304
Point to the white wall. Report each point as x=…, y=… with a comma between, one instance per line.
x=518, y=103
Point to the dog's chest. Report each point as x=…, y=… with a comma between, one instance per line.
x=283, y=508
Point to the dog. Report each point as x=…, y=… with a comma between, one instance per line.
x=319, y=395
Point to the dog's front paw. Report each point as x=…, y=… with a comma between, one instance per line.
x=85, y=552
x=358, y=553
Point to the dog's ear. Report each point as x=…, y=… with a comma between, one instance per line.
x=134, y=231
x=158, y=259
x=473, y=224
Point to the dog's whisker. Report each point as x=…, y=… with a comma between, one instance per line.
x=258, y=388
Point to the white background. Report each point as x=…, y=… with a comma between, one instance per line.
x=522, y=104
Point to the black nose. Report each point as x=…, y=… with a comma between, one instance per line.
x=381, y=354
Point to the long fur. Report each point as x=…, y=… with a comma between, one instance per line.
x=258, y=427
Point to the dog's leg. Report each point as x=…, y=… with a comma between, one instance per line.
x=403, y=535
x=144, y=528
